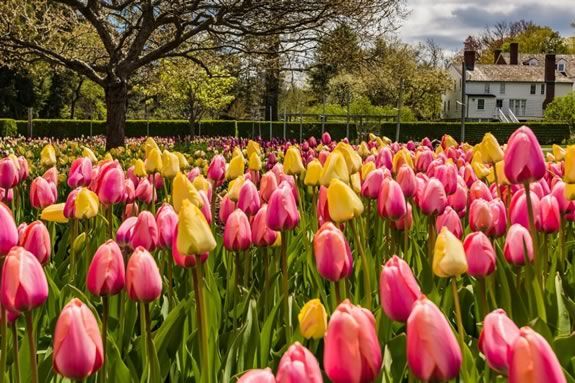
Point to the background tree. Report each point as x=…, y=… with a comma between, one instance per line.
x=562, y=109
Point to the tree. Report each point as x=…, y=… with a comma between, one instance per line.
x=57, y=98
x=108, y=41
x=562, y=109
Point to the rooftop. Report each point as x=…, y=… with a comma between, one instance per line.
x=511, y=73
x=540, y=57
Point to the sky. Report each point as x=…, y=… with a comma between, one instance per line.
x=449, y=22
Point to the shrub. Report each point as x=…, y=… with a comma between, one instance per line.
x=8, y=127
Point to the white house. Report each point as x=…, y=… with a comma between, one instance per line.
x=504, y=92
x=564, y=63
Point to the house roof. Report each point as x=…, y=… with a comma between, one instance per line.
x=511, y=73
x=540, y=57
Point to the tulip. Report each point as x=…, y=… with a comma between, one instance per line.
x=185, y=261
x=23, y=286
x=402, y=157
x=406, y=180
x=398, y=289
x=312, y=319
x=531, y=359
x=237, y=232
x=298, y=365
x=80, y=173
x=372, y=184
x=234, y=187
x=194, y=233
x=23, y=169
x=569, y=176
x=8, y=230
x=249, y=199
x=145, y=192
x=262, y=235
x=48, y=156
x=352, y=353
x=449, y=255
x=518, y=245
x=447, y=175
x=9, y=173
x=499, y=216
x=51, y=175
x=550, y=214
x=86, y=204
x=479, y=190
x=106, y=273
x=282, y=211
x=140, y=168
x=42, y=193
x=523, y=157
x=145, y=232
x=451, y=221
x=77, y=334
x=391, y=201
x=335, y=167
x=110, y=183
x=170, y=164
x=313, y=173
x=432, y=350
x=268, y=184
x=351, y=157
x=480, y=218
x=217, y=169
x=143, y=280
x=518, y=209
x=332, y=253
x=366, y=168
x=236, y=167
x=130, y=191
x=254, y=162
x=343, y=203
x=405, y=222
x=125, y=231
x=154, y=162
x=227, y=206
x=481, y=259
x=52, y=213
x=70, y=205
x=166, y=220
x=293, y=163
x=491, y=151
x=447, y=141
x=497, y=338
x=258, y=376
x=432, y=199
x=36, y=239
x=183, y=189
x=325, y=138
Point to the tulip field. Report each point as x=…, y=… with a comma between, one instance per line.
x=232, y=260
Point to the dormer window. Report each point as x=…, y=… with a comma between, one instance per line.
x=561, y=67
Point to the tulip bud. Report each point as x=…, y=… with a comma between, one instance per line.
x=183, y=189
x=448, y=256
x=343, y=203
x=282, y=211
x=9, y=173
x=406, y=180
x=36, y=239
x=293, y=163
x=550, y=214
x=332, y=253
x=170, y=164
x=194, y=233
x=42, y=193
x=236, y=167
x=398, y=289
x=145, y=232
x=433, y=199
x=312, y=319
x=268, y=184
x=154, y=161
x=481, y=259
x=351, y=157
x=143, y=280
x=480, y=218
x=335, y=167
x=52, y=213
x=80, y=173
x=499, y=216
x=237, y=232
x=185, y=261
x=262, y=235
x=313, y=173
x=523, y=157
x=106, y=274
x=86, y=204
x=298, y=365
x=391, y=201
x=110, y=184
x=491, y=151
x=140, y=168
x=258, y=376
x=8, y=230
x=166, y=220
x=372, y=184
x=569, y=176
x=249, y=199
x=217, y=169
x=48, y=156
x=496, y=339
x=451, y=221
x=518, y=245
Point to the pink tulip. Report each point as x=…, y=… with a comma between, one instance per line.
x=398, y=289
x=406, y=180
x=268, y=184
x=145, y=192
x=70, y=206
x=518, y=212
x=391, y=201
x=451, y=221
x=217, y=169
x=80, y=173
x=468, y=175
x=206, y=208
x=185, y=261
x=480, y=218
x=24, y=170
x=298, y=365
x=549, y=214
x=262, y=235
x=110, y=183
x=8, y=230
x=352, y=353
x=9, y=175
x=51, y=175
x=518, y=241
x=249, y=199
x=106, y=274
x=481, y=259
x=325, y=138
x=458, y=200
x=372, y=184
x=6, y=196
x=227, y=206
x=447, y=175
x=42, y=193
x=166, y=221
x=523, y=158
x=258, y=376
x=237, y=232
x=499, y=216
x=423, y=159
x=23, y=286
x=479, y=190
x=125, y=231
x=145, y=232
x=332, y=253
x=432, y=349
x=433, y=199
x=282, y=209
x=130, y=191
x=384, y=158
x=36, y=239
x=496, y=339
x=558, y=191
x=405, y=222
x=78, y=348
x=143, y=280
x=131, y=210
x=322, y=208
x=532, y=360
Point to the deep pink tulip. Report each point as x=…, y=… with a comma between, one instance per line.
x=398, y=289
x=406, y=179
x=458, y=200
x=384, y=158
x=106, y=274
x=249, y=199
x=143, y=280
x=8, y=230
x=468, y=175
x=282, y=212
x=80, y=173
x=391, y=201
x=70, y=205
x=480, y=218
x=6, y=195
x=523, y=158
x=558, y=191
x=206, y=208
x=130, y=191
x=499, y=216
x=110, y=183
x=262, y=235
x=518, y=241
x=352, y=353
x=451, y=221
x=550, y=214
x=432, y=349
x=298, y=365
x=532, y=360
x=518, y=212
x=217, y=169
x=227, y=206
x=192, y=174
x=125, y=231
x=433, y=199
x=132, y=177
x=23, y=286
x=258, y=376
x=166, y=221
x=372, y=184
x=332, y=253
x=496, y=339
x=42, y=193
x=24, y=170
x=405, y=222
x=78, y=349
x=237, y=232
x=325, y=138
x=185, y=261
x=36, y=239
x=145, y=192
x=9, y=175
x=423, y=159
x=481, y=259
x=145, y=232
x=268, y=184
x=447, y=175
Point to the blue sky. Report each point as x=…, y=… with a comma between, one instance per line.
x=449, y=22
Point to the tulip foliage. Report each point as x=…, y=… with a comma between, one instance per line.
x=235, y=260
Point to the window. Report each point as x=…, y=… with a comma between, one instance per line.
x=561, y=67
x=456, y=106
x=448, y=105
x=518, y=107
x=542, y=88
x=499, y=103
x=480, y=104
x=486, y=90
x=502, y=88
x=533, y=88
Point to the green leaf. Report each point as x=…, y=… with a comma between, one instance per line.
x=563, y=322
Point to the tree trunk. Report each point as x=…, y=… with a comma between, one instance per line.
x=116, y=107
x=272, y=81
x=75, y=98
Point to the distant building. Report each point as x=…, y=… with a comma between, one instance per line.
x=514, y=88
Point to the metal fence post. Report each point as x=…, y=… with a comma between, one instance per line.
x=30, y=115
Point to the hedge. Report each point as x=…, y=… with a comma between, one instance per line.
x=8, y=127
x=546, y=132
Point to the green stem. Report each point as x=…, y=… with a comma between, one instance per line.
x=4, y=344
x=105, y=314
x=15, y=349
x=170, y=280
x=32, y=346
x=154, y=373
x=266, y=280
x=75, y=224
x=533, y=232
x=110, y=218
x=366, y=278
x=153, y=202
x=562, y=243
x=460, y=329
x=200, y=312
x=496, y=181
x=285, y=284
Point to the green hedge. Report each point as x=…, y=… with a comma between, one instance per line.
x=8, y=127
x=337, y=131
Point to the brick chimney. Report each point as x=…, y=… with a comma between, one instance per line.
x=514, y=54
x=549, y=79
x=496, y=54
x=469, y=59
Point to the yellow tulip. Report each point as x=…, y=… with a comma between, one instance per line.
x=491, y=151
x=86, y=204
x=200, y=183
x=237, y=152
x=363, y=149
x=293, y=163
x=170, y=164
x=549, y=157
x=402, y=157
x=448, y=256
x=355, y=181
x=183, y=189
x=194, y=233
x=343, y=202
x=107, y=157
x=481, y=171
x=448, y=141
x=570, y=191
x=569, y=176
x=255, y=162
x=352, y=158
x=253, y=147
x=278, y=241
x=149, y=145
x=234, y=187
x=139, y=168
x=335, y=167
x=153, y=161
x=313, y=173
x=184, y=164
x=54, y=213
x=367, y=168
x=236, y=167
x=312, y=320
x=87, y=152
x=558, y=152
x=48, y=156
